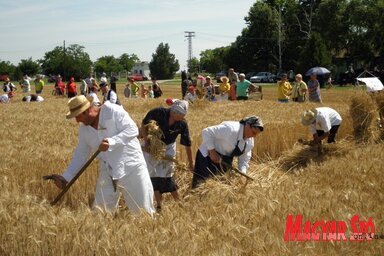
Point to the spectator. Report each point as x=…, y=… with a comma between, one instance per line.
x=224, y=88
x=8, y=86
x=6, y=98
x=25, y=85
x=299, y=89
x=103, y=78
x=151, y=94
x=108, y=94
x=59, y=86
x=284, y=89
x=84, y=88
x=185, y=83
x=127, y=90
x=232, y=92
x=314, y=89
x=33, y=97
x=209, y=89
x=71, y=88
x=232, y=75
x=122, y=167
x=39, y=84
x=199, y=82
x=191, y=95
x=324, y=123
x=93, y=94
x=114, y=79
x=243, y=87
x=156, y=88
x=134, y=88
x=89, y=80
x=171, y=122
x=143, y=91
x=223, y=142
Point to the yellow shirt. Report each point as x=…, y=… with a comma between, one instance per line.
x=283, y=90
x=224, y=88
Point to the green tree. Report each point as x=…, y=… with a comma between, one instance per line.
x=107, y=64
x=163, y=64
x=7, y=68
x=128, y=61
x=193, y=65
x=315, y=53
x=73, y=62
x=212, y=61
x=28, y=67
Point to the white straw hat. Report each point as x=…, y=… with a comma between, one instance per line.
x=308, y=117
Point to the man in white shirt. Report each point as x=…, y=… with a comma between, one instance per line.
x=223, y=142
x=324, y=123
x=109, y=95
x=110, y=129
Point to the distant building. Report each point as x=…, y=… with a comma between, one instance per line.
x=141, y=68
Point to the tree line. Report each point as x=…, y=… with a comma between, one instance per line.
x=73, y=61
x=282, y=35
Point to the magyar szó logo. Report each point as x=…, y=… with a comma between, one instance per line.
x=329, y=230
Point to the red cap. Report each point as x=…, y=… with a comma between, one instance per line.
x=169, y=102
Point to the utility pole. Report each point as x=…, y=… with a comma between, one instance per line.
x=189, y=35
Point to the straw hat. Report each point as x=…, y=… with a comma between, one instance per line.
x=308, y=117
x=224, y=78
x=77, y=105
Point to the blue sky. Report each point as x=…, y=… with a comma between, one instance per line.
x=31, y=28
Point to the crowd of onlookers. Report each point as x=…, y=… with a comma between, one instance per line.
x=235, y=87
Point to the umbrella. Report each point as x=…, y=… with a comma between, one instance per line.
x=317, y=71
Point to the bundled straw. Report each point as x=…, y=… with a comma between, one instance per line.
x=362, y=113
x=380, y=104
x=156, y=147
x=301, y=155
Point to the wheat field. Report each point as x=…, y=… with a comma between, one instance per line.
x=219, y=218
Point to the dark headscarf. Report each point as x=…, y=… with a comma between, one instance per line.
x=253, y=121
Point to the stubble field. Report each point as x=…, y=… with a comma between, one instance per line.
x=219, y=218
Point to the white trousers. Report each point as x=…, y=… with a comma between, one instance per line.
x=136, y=188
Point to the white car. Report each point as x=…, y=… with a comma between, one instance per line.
x=262, y=77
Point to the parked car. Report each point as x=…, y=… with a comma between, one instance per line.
x=262, y=77
x=138, y=77
x=249, y=75
x=219, y=75
x=3, y=77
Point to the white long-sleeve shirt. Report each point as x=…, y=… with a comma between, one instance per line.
x=223, y=138
x=124, y=154
x=325, y=119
